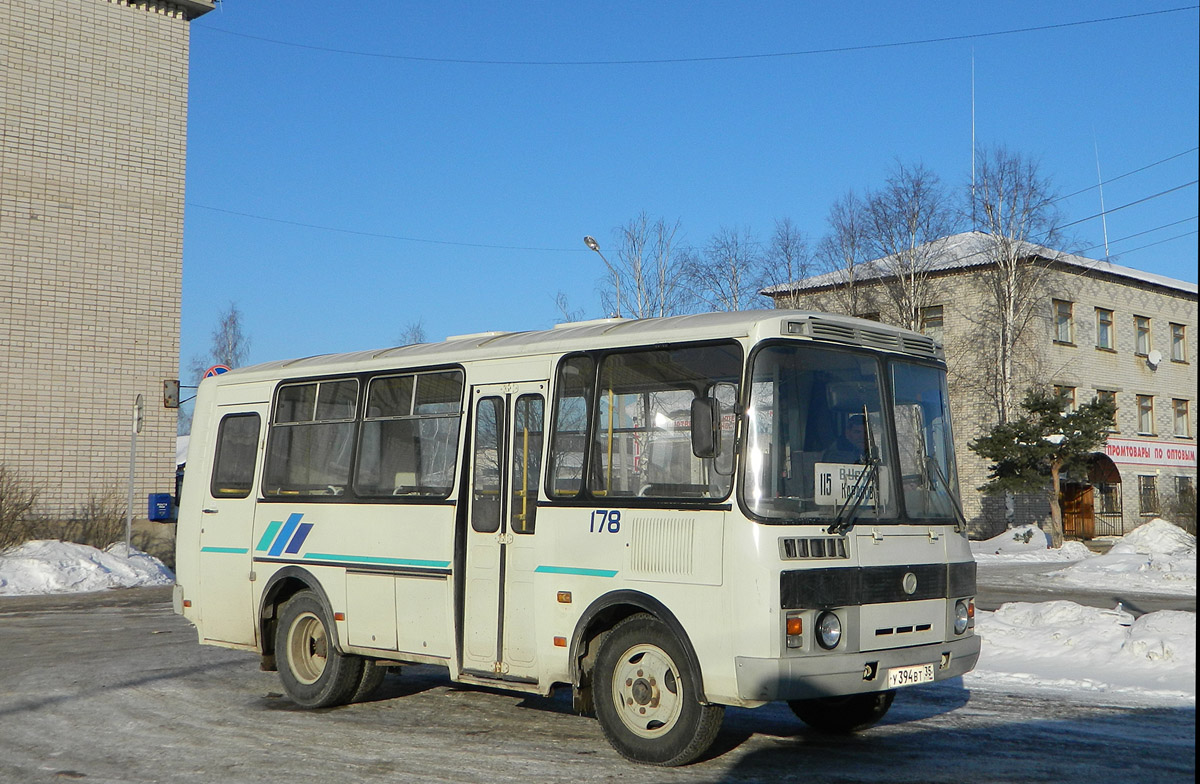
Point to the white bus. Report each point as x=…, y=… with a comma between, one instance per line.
x=667, y=516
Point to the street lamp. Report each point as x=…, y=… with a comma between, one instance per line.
x=591, y=243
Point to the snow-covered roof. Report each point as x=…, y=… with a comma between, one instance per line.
x=971, y=249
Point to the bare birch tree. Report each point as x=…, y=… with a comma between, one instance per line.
x=1013, y=206
x=787, y=261
x=413, y=332
x=230, y=346
x=230, y=343
x=908, y=222
x=647, y=279
x=843, y=252
x=727, y=273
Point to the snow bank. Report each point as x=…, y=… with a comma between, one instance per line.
x=1157, y=557
x=1062, y=646
x=47, y=566
x=1026, y=543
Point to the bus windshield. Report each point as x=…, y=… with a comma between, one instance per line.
x=822, y=445
x=924, y=442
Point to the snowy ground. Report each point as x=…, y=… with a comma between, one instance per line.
x=1046, y=646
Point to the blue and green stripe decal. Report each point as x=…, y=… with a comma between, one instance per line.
x=284, y=536
x=226, y=550
x=372, y=560
x=576, y=571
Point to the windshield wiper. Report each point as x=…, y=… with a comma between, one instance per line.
x=961, y=519
x=865, y=480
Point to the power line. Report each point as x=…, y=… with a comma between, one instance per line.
x=378, y=235
x=715, y=58
x=1140, y=233
x=1122, y=176
x=1130, y=204
x=1160, y=242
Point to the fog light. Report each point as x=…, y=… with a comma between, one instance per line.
x=829, y=630
x=962, y=616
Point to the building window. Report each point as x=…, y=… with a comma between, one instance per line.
x=1148, y=495
x=931, y=322
x=1110, y=396
x=1145, y=414
x=1185, y=491
x=1062, y=322
x=1182, y=426
x=1068, y=393
x=871, y=316
x=1104, y=329
x=1141, y=344
x=1178, y=343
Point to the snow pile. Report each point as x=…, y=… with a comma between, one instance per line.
x=1063, y=646
x=1026, y=543
x=1157, y=557
x=48, y=566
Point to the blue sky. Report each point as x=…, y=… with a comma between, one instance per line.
x=340, y=188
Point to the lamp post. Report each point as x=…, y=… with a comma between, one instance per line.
x=591, y=243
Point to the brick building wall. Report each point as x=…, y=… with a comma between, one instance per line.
x=1079, y=364
x=93, y=111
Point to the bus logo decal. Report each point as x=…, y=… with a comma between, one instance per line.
x=292, y=536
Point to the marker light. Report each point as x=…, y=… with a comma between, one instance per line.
x=794, y=626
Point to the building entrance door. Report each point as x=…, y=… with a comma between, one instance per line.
x=1079, y=517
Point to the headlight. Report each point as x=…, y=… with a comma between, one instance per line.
x=829, y=630
x=962, y=616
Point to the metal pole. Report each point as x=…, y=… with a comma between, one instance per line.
x=135, y=428
x=129, y=499
x=591, y=243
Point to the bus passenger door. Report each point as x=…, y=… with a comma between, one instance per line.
x=227, y=525
x=506, y=459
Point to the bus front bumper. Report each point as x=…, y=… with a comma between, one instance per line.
x=808, y=677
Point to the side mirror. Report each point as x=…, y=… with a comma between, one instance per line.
x=706, y=427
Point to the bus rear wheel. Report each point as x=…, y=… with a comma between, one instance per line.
x=840, y=715
x=314, y=673
x=647, y=697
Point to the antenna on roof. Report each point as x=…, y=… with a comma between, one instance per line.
x=1100, y=181
x=974, y=226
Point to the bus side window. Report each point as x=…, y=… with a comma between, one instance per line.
x=236, y=452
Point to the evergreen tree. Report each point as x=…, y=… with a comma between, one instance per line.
x=1030, y=453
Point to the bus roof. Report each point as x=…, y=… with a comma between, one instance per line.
x=602, y=333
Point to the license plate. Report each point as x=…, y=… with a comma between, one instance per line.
x=909, y=676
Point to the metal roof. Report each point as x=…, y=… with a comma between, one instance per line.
x=971, y=249
x=578, y=336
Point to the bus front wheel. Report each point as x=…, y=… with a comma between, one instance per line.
x=840, y=715
x=647, y=697
x=314, y=673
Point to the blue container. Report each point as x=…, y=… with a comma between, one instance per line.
x=160, y=507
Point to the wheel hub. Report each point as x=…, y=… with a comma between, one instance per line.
x=646, y=691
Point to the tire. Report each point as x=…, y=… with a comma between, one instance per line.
x=841, y=715
x=369, y=683
x=314, y=673
x=647, y=696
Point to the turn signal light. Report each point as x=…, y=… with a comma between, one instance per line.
x=795, y=626
x=560, y=642
x=337, y=616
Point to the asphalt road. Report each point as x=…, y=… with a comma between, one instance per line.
x=1000, y=583
x=113, y=687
